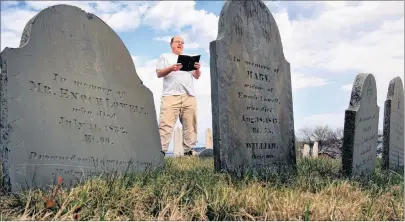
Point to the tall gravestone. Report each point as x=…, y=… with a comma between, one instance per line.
x=208, y=139
x=252, y=105
x=315, y=149
x=72, y=104
x=393, y=133
x=361, y=128
x=305, y=150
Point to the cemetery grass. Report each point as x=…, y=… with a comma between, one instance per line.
x=187, y=188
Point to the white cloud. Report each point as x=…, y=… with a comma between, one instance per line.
x=345, y=37
x=202, y=27
x=301, y=81
x=347, y=87
x=334, y=120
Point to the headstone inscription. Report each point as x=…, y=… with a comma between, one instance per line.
x=72, y=103
x=178, y=149
x=361, y=128
x=252, y=106
x=393, y=132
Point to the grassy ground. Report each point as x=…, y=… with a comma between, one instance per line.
x=188, y=189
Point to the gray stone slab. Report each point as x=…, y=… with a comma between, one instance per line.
x=315, y=150
x=208, y=139
x=72, y=103
x=252, y=106
x=207, y=153
x=305, y=151
x=361, y=128
x=393, y=133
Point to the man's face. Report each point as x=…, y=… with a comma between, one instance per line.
x=177, y=45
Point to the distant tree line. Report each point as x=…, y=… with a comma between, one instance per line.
x=328, y=137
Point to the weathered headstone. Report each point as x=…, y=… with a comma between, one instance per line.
x=252, y=105
x=315, y=150
x=305, y=150
x=361, y=128
x=393, y=144
x=178, y=149
x=208, y=139
x=72, y=104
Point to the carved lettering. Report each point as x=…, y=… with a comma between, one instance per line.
x=261, y=146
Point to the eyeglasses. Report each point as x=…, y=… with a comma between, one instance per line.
x=178, y=42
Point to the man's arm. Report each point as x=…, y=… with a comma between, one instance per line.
x=163, y=72
x=197, y=73
x=166, y=71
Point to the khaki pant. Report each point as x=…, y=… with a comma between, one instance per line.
x=184, y=107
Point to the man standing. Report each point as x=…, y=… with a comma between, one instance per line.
x=178, y=97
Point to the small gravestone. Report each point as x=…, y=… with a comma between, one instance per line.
x=361, y=128
x=252, y=105
x=72, y=103
x=208, y=139
x=178, y=149
x=315, y=150
x=305, y=151
x=393, y=144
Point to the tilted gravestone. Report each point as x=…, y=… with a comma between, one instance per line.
x=393, y=134
x=361, y=128
x=252, y=106
x=72, y=103
x=178, y=149
x=315, y=150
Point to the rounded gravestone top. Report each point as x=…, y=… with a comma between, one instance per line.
x=61, y=29
x=251, y=24
x=395, y=84
x=364, y=86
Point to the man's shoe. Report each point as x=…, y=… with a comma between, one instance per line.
x=188, y=153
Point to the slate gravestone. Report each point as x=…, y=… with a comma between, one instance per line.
x=252, y=107
x=361, y=128
x=72, y=103
x=208, y=139
x=178, y=149
x=393, y=134
x=315, y=150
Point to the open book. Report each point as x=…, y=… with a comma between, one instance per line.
x=188, y=62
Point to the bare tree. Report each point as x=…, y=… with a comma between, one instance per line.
x=306, y=134
x=321, y=134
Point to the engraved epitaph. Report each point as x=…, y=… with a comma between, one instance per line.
x=252, y=107
x=360, y=128
x=72, y=103
x=393, y=144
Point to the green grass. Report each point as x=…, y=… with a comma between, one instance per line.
x=187, y=188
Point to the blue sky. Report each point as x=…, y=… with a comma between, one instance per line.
x=327, y=44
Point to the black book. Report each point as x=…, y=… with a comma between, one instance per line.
x=188, y=62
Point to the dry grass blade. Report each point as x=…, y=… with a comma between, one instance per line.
x=189, y=189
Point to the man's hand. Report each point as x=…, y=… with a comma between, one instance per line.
x=197, y=65
x=197, y=72
x=176, y=67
